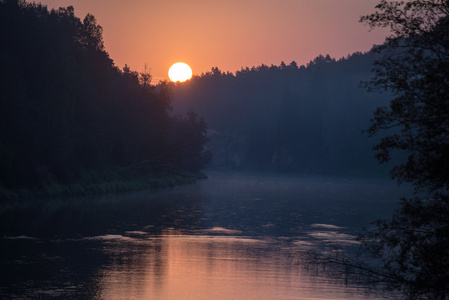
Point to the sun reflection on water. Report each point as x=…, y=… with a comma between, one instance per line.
x=205, y=266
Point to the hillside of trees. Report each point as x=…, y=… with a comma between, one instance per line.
x=307, y=119
x=69, y=115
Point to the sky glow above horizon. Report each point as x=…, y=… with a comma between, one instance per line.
x=226, y=34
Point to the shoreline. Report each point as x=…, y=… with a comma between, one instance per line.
x=106, y=182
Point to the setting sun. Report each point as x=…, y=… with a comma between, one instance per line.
x=180, y=72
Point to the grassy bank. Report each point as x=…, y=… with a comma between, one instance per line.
x=110, y=181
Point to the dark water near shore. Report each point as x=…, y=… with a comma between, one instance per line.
x=233, y=236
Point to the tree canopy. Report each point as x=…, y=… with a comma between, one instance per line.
x=290, y=118
x=67, y=111
x=414, y=69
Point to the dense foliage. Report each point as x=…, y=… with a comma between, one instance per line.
x=289, y=117
x=67, y=111
x=414, y=67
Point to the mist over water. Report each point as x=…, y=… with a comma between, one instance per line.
x=232, y=236
x=74, y=123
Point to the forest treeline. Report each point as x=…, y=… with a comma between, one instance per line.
x=69, y=115
x=288, y=117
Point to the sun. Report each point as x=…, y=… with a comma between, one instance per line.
x=180, y=72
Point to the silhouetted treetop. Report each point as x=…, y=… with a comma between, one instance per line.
x=414, y=68
x=67, y=111
x=308, y=117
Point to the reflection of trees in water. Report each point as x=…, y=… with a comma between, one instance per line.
x=43, y=269
x=54, y=248
x=342, y=264
x=96, y=215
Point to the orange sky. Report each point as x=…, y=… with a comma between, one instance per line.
x=227, y=34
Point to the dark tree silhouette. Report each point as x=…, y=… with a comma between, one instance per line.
x=69, y=116
x=415, y=69
x=414, y=244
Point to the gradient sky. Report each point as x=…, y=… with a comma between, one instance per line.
x=228, y=34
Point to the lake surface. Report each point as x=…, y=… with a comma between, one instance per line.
x=232, y=236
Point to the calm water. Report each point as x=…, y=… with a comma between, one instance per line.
x=233, y=236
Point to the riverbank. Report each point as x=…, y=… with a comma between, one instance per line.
x=110, y=181
x=240, y=228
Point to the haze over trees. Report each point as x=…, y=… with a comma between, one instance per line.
x=289, y=118
x=69, y=115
